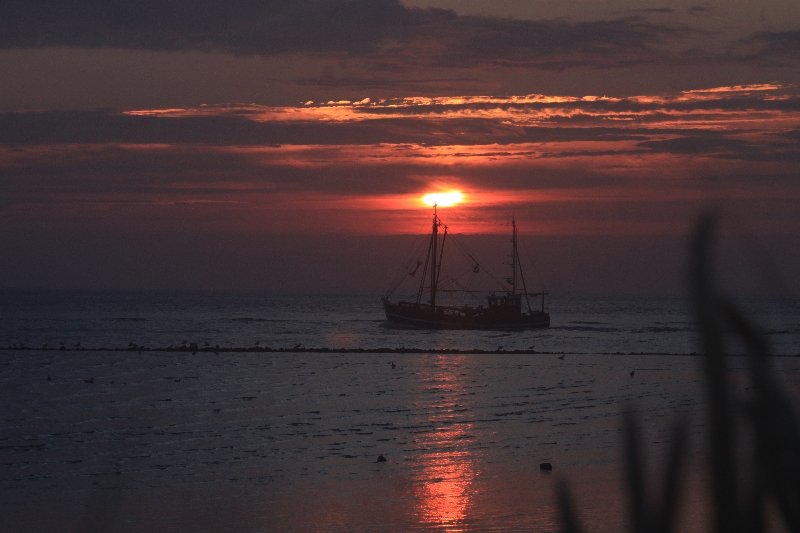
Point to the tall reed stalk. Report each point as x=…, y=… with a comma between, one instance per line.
x=740, y=490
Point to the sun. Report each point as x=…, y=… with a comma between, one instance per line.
x=443, y=199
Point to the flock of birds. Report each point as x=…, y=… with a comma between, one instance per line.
x=216, y=352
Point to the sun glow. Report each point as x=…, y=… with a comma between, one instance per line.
x=443, y=199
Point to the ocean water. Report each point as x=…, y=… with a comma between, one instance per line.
x=113, y=319
x=104, y=440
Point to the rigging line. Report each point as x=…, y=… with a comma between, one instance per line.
x=467, y=288
x=488, y=273
x=460, y=290
x=522, y=277
x=416, y=249
x=456, y=281
x=530, y=256
x=468, y=271
x=425, y=270
x=441, y=256
x=465, y=251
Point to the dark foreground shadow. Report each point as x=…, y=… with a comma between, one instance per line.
x=741, y=490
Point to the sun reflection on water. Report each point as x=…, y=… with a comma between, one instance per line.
x=448, y=470
x=445, y=495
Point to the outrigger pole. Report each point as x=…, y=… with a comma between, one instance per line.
x=514, y=256
x=514, y=263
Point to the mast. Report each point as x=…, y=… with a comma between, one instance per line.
x=434, y=243
x=513, y=256
x=517, y=264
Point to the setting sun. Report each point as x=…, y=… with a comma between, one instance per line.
x=443, y=199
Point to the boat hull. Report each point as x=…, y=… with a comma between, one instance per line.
x=425, y=317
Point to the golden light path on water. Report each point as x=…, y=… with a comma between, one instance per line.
x=447, y=474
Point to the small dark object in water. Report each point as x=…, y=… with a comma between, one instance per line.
x=393, y=365
x=88, y=380
x=561, y=357
x=631, y=373
x=547, y=467
x=48, y=378
x=381, y=459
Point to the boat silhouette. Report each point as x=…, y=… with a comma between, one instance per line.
x=503, y=309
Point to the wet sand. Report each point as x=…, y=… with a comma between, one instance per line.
x=289, y=441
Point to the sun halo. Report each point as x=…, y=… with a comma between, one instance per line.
x=443, y=199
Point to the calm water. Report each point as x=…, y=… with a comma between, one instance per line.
x=289, y=441
x=160, y=319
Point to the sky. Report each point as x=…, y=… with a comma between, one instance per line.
x=287, y=145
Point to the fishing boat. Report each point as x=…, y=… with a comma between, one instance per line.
x=503, y=306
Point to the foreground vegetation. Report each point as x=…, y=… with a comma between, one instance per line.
x=741, y=490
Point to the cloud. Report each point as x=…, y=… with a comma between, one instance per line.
x=424, y=121
x=699, y=145
x=770, y=47
x=385, y=34
x=699, y=9
x=575, y=164
x=658, y=10
x=237, y=26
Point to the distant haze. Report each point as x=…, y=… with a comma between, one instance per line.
x=577, y=265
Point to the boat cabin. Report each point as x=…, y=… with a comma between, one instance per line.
x=509, y=304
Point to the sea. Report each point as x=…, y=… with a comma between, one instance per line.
x=388, y=430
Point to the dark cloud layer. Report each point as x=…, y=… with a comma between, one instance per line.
x=55, y=127
x=384, y=32
x=775, y=46
x=97, y=127
x=239, y=26
x=719, y=145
